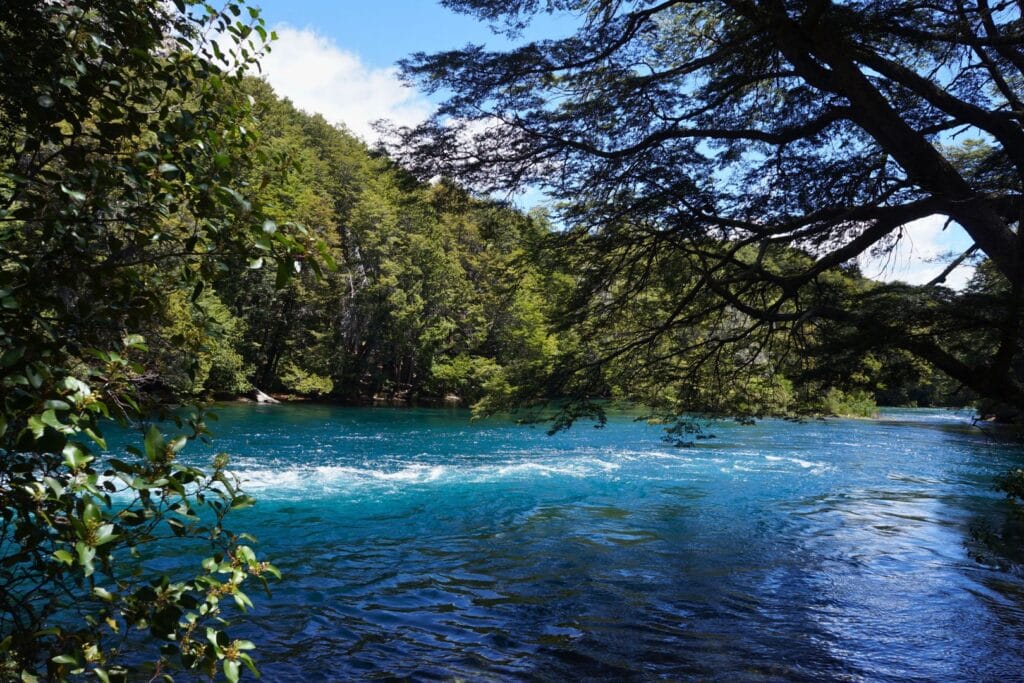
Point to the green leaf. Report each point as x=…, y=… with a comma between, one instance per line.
x=55, y=486
x=325, y=254
x=247, y=660
x=105, y=534
x=75, y=457
x=154, y=443
x=242, y=600
x=97, y=439
x=283, y=273
x=77, y=195
x=86, y=554
x=64, y=556
x=242, y=202
x=34, y=378
x=231, y=670
x=135, y=341
x=49, y=418
x=12, y=356
x=92, y=514
x=65, y=659
x=242, y=502
x=36, y=426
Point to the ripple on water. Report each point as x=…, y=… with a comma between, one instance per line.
x=418, y=545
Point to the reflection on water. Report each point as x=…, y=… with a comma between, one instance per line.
x=416, y=544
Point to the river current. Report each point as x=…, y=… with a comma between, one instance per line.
x=418, y=544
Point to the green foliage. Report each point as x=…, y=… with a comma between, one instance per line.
x=857, y=403
x=306, y=383
x=721, y=166
x=123, y=146
x=433, y=293
x=463, y=376
x=1012, y=484
x=199, y=345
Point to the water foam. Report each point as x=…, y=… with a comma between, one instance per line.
x=394, y=475
x=335, y=477
x=340, y=479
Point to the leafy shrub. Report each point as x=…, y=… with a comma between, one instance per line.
x=854, y=403
x=121, y=141
x=306, y=383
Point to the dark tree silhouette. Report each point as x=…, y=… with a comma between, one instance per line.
x=720, y=132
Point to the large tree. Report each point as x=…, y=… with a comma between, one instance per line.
x=123, y=143
x=734, y=157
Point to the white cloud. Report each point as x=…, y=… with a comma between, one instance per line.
x=320, y=77
x=919, y=255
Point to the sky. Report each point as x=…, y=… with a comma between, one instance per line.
x=338, y=58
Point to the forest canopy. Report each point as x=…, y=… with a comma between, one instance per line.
x=730, y=160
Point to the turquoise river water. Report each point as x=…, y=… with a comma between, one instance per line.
x=418, y=544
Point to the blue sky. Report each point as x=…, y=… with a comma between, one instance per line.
x=380, y=32
x=384, y=31
x=337, y=58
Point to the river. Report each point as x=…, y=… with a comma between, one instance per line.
x=418, y=544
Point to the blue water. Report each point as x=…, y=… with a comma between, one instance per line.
x=417, y=544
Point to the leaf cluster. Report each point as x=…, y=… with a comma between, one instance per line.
x=121, y=157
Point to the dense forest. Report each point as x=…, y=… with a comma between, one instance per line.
x=430, y=291
x=433, y=293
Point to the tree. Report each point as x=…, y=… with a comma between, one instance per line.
x=423, y=301
x=122, y=147
x=752, y=149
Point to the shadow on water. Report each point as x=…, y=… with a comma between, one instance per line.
x=996, y=537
